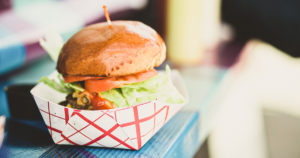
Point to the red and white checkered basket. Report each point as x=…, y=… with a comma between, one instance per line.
x=127, y=128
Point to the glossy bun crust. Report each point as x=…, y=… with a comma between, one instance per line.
x=127, y=47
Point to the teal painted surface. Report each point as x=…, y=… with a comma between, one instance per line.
x=12, y=55
x=3, y=100
x=34, y=71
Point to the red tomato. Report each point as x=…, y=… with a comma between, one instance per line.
x=94, y=85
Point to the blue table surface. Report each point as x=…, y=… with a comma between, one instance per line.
x=178, y=138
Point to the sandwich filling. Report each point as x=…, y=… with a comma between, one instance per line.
x=116, y=92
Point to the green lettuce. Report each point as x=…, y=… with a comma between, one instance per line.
x=60, y=85
x=158, y=87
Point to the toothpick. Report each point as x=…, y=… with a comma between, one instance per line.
x=106, y=15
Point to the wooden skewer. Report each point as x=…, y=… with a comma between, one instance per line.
x=107, y=15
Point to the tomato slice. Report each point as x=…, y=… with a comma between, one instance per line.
x=70, y=79
x=94, y=85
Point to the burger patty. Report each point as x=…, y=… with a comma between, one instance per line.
x=72, y=102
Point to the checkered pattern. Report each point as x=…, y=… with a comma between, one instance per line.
x=127, y=128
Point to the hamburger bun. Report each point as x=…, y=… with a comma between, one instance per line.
x=123, y=48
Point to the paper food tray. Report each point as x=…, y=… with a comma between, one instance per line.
x=126, y=128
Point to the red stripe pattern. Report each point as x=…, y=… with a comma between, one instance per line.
x=127, y=128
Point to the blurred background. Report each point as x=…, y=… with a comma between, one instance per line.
x=239, y=59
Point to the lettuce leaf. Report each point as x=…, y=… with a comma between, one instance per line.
x=60, y=85
x=158, y=87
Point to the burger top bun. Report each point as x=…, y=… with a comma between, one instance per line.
x=122, y=48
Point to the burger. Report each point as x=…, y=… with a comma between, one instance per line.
x=105, y=66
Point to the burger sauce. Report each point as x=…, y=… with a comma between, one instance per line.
x=100, y=103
